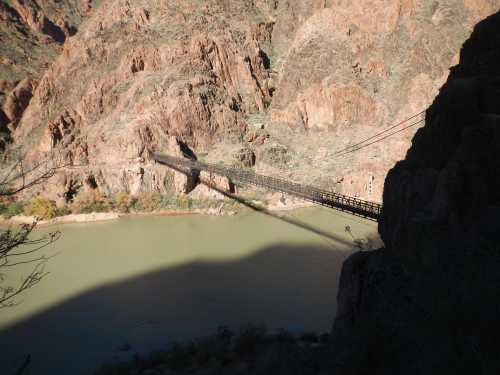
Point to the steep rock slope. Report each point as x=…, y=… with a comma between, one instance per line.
x=355, y=67
x=281, y=83
x=138, y=74
x=428, y=302
x=31, y=35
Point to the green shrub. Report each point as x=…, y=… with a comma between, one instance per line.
x=63, y=211
x=136, y=204
x=149, y=202
x=41, y=208
x=12, y=209
x=184, y=202
x=168, y=201
x=89, y=202
x=122, y=202
x=96, y=207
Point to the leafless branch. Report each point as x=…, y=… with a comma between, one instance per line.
x=11, y=240
x=16, y=246
x=19, y=178
x=7, y=294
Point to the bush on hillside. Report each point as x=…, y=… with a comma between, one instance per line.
x=63, y=211
x=40, y=207
x=148, y=202
x=122, y=202
x=88, y=202
x=184, y=202
x=8, y=210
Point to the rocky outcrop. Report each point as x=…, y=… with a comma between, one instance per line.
x=136, y=90
x=32, y=33
x=34, y=17
x=245, y=157
x=427, y=303
x=17, y=101
x=208, y=182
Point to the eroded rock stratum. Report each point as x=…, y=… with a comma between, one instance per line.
x=31, y=34
x=289, y=81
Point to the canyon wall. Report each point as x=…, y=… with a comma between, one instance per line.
x=135, y=76
x=31, y=34
x=282, y=84
x=354, y=67
x=428, y=302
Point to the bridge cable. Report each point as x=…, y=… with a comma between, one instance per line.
x=381, y=139
x=342, y=151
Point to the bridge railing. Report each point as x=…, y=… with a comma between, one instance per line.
x=356, y=206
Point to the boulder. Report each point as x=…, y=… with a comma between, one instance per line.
x=245, y=157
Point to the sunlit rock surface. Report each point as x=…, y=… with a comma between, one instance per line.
x=316, y=75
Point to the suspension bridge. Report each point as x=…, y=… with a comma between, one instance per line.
x=354, y=206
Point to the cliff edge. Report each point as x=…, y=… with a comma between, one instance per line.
x=428, y=302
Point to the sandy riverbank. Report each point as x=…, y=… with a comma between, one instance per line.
x=108, y=216
x=72, y=218
x=274, y=205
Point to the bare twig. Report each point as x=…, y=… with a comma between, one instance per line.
x=16, y=246
x=10, y=240
x=26, y=178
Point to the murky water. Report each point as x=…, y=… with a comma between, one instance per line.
x=132, y=285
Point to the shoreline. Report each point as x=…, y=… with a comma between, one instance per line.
x=95, y=217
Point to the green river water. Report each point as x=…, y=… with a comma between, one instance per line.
x=141, y=282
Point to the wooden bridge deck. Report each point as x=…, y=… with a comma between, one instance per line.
x=355, y=206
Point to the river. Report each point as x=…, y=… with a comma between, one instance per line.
x=130, y=286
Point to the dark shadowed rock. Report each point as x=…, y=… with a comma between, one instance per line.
x=447, y=188
x=428, y=302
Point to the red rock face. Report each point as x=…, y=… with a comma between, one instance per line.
x=332, y=73
x=31, y=34
x=125, y=92
x=18, y=100
x=355, y=68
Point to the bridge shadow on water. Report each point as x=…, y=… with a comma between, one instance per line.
x=293, y=287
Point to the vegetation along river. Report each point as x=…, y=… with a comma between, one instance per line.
x=130, y=286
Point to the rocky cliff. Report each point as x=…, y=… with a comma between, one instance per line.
x=31, y=34
x=354, y=67
x=283, y=84
x=428, y=302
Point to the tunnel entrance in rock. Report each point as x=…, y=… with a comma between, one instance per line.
x=70, y=193
x=91, y=182
x=186, y=151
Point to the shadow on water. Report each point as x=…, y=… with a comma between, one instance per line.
x=292, y=287
x=289, y=220
x=260, y=209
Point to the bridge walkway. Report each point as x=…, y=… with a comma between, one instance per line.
x=355, y=206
